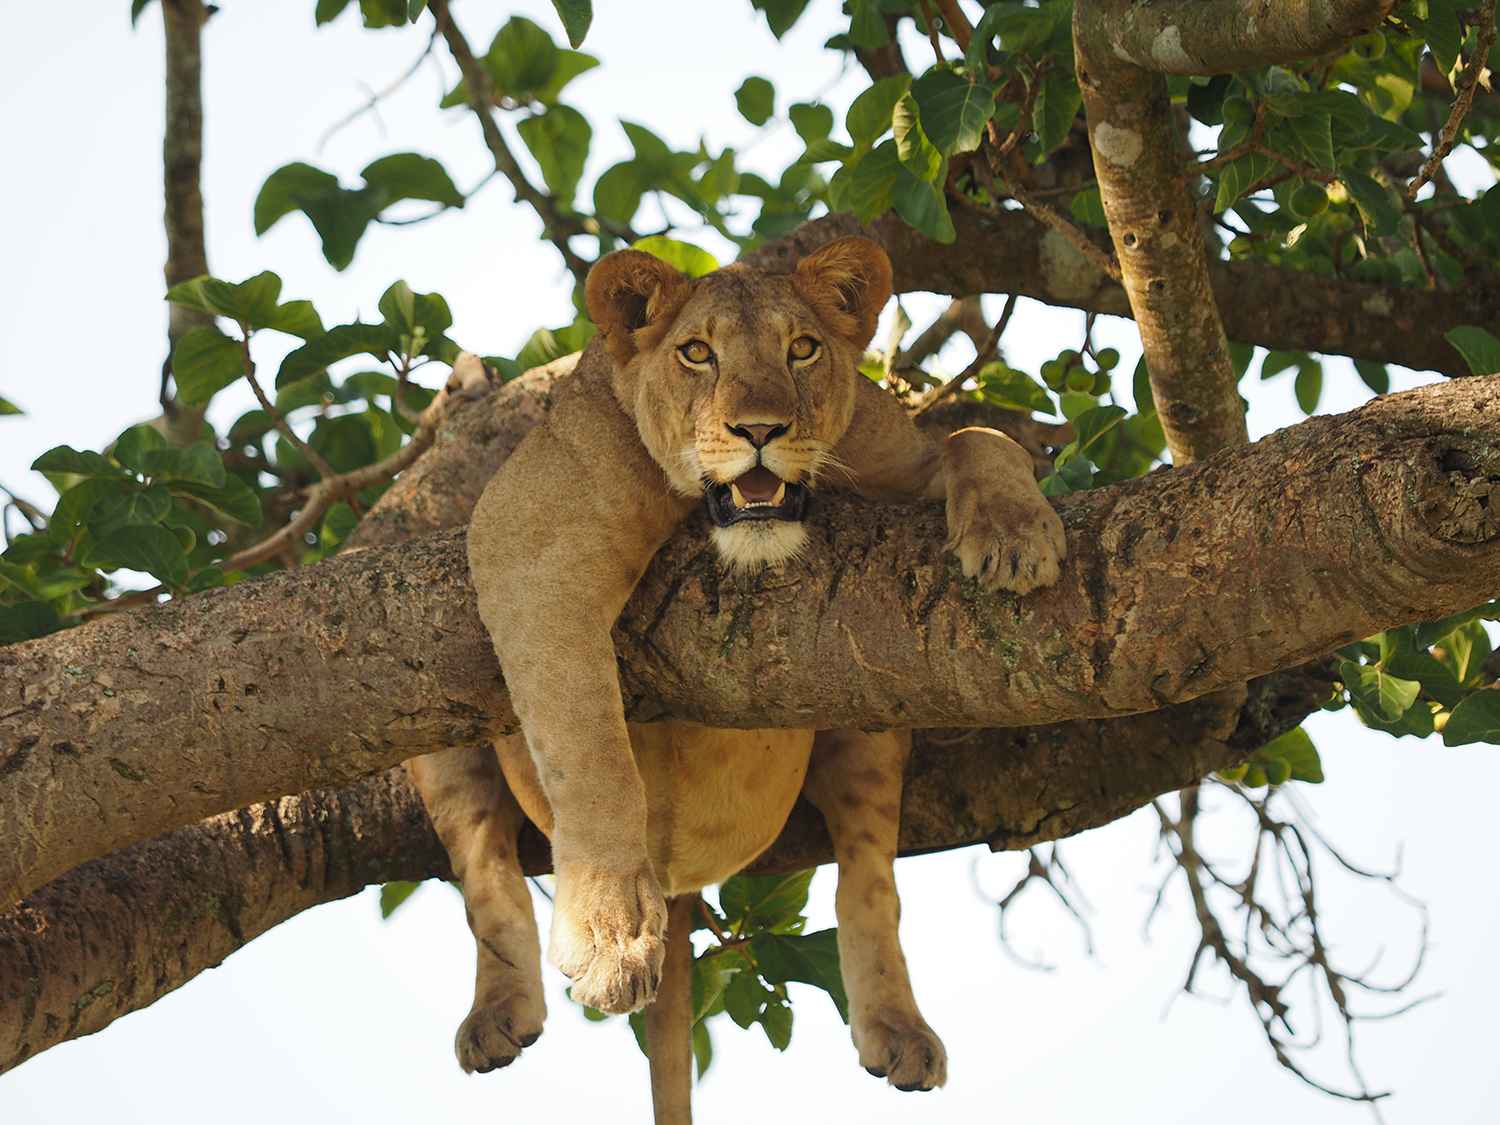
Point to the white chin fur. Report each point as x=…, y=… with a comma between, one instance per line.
x=755, y=543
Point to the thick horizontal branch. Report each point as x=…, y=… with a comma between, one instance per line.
x=1261, y=304
x=1334, y=529
x=117, y=933
x=1222, y=36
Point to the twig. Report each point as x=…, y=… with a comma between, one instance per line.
x=1467, y=83
x=957, y=23
x=557, y=227
x=981, y=357
x=374, y=100
x=314, y=458
x=1045, y=866
x=932, y=32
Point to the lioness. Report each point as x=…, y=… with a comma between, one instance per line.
x=738, y=392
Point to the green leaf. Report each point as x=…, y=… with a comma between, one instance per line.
x=326, y=10
x=954, y=110
x=1386, y=695
x=576, y=15
x=809, y=958
x=559, y=140
x=1377, y=205
x=1309, y=387
x=139, y=6
x=383, y=13
x=291, y=188
x=745, y=997
x=198, y=463
x=1480, y=349
x=923, y=206
x=204, y=362
x=152, y=549
x=1088, y=208
x=869, y=114
x=8, y=407
x=617, y=193
x=392, y=895
x=756, y=100
x=1094, y=423
x=918, y=155
x=136, y=506
x=703, y=1049
x=684, y=256
x=777, y=1022
x=234, y=499
x=131, y=447
x=78, y=462
x=780, y=14
x=1007, y=387
x=1239, y=176
x=866, y=188
x=405, y=311
x=570, y=64
x=378, y=340
x=522, y=58
x=409, y=175
x=1476, y=719
x=24, y=621
x=1058, y=99
x=1307, y=137
x=812, y=122
x=1376, y=376
x=764, y=901
x=1296, y=749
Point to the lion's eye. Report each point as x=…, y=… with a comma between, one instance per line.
x=696, y=352
x=803, y=349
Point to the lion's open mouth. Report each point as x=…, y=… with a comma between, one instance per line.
x=757, y=495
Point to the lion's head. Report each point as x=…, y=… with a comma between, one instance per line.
x=742, y=382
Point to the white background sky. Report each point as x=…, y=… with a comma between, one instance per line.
x=338, y=1017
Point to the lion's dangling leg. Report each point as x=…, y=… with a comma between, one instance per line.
x=478, y=821
x=855, y=781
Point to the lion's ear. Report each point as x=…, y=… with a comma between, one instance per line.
x=848, y=282
x=629, y=293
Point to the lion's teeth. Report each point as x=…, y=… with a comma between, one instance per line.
x=736, y=495
x=780, y=495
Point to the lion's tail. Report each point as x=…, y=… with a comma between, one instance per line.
x=669, y=1020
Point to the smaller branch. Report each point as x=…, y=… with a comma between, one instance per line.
x=557, y=227
x=982, y=356
x=1045, y=867
x=329, y=491
x=314, y=458
x=1468, y=83
x=957, y=23
x=372, y=103
x=932, y=32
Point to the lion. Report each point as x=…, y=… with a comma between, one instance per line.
x=738, y=393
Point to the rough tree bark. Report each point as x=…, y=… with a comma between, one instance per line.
x=375, y=657
x=1261, y=304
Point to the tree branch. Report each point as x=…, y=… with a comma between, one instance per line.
x=1275, y=307
x=379, y=656
x=182, y=192
x=1221, y=36
x=117, y=933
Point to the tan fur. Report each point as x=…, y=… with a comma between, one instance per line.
x=558, y=542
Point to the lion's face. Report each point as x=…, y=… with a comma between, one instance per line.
x=742, y=382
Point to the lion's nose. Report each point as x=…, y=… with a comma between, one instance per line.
x=759, y=435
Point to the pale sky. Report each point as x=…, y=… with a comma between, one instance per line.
x=336, y=1016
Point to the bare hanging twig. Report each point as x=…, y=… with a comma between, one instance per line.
x=1465, y=88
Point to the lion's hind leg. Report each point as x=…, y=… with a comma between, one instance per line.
x=478, y=821
x=855, y=781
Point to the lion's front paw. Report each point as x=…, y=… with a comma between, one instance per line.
x=1011, y=543
x=899, y=1047
x=607, y=935
x=493, y=1035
